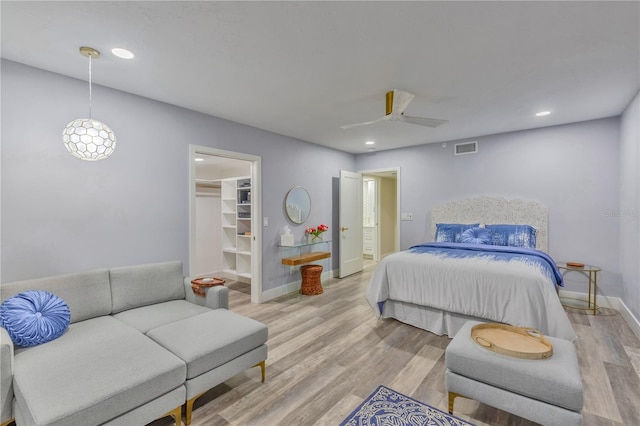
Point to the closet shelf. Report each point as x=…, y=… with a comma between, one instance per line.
x=209, y=183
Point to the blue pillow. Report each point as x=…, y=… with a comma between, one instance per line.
x=34, y=317
x=513, y=235
x=451, y=232
x=476, y=236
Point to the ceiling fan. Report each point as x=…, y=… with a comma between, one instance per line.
x=397, y=102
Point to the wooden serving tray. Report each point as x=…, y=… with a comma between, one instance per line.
x=517, y=342
x=198, y=283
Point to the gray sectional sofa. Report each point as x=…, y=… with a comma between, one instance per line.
x=140, y=346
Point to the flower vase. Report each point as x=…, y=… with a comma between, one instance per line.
x=314, y=238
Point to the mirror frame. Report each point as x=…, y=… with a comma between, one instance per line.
x=292, y=196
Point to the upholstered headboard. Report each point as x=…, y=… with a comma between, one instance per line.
x=494, y=210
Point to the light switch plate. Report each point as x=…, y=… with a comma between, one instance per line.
x=406, y=216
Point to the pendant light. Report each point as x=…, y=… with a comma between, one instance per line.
x=86, y=138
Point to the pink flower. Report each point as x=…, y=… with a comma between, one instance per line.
x=317, y=231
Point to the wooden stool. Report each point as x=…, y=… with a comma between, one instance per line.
x=311, y=283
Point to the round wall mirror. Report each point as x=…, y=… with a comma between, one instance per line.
x=297, y=204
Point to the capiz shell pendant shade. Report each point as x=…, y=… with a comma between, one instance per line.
x=89, y=139
x=86, y=138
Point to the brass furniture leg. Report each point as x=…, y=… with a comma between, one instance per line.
x=452, y=396
x=188, y=406
x=8, y=422
x=595, y=290
x=176, y=413
x=263, y=368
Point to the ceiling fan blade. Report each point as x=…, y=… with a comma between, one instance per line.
x=396, y=102
x=400, y=101
x=422, y=121
x=366, y=123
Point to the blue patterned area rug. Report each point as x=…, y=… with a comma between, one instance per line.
x=388, y=407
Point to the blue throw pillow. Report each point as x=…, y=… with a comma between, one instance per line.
x=513, y=235
x=34, y=317
x=451, y=232
x=476, y=236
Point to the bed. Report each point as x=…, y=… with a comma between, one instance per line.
x=488, y=262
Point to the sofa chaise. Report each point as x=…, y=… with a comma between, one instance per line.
x=140, y=346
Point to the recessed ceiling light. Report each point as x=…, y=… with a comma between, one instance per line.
x=122, y=53
x=543, y=113
x=199, y=159
x=369, y=143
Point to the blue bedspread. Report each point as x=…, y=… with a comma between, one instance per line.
x=498, y=253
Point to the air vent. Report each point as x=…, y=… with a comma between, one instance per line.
x=465, y=148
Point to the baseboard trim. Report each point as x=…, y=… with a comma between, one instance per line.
x=283, y=290
x=609, y=302
x=629, y=318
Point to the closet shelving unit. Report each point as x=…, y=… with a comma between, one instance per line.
x=236, y=228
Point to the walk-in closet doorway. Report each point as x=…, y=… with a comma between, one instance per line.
x=224, y=208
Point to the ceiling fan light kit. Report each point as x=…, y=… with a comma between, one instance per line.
x=396, y=102
x=86, y=138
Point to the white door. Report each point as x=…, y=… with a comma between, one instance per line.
x=350, y=231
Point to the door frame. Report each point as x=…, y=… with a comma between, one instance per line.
x=256, y=205
x=370, y=172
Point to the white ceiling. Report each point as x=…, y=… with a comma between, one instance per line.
x=302, y=69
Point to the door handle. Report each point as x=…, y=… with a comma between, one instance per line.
x=344, y=228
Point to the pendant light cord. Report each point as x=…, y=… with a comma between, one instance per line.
x=90, y=86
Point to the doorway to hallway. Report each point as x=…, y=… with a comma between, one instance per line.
x=381, y=213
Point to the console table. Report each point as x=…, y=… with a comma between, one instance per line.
x=304, y=254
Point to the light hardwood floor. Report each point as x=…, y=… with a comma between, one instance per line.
x=327, y=353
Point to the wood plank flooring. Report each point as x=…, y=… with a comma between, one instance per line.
x=327, y=353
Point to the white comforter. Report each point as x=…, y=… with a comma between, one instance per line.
x=511, y=292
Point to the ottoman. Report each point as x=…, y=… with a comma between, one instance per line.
x=215, y=346
x=546, y=391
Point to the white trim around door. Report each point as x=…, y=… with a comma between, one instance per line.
x=256, y=206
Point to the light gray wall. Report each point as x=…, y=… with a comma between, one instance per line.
x=629, y=210
x=61, y=214
x=571, y=169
